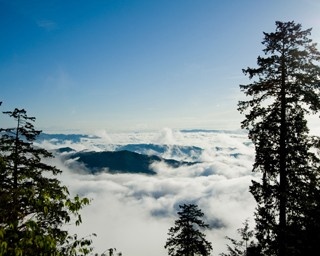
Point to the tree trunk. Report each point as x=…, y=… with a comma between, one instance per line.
x=282, y=157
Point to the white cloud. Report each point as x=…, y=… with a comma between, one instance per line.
x=134, y=212
x=168, y=136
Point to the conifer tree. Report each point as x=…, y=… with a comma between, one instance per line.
x=284, y=91
x=244, y=247
x=186, y=238
x=34, y=206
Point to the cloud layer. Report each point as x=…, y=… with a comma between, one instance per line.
x=134, y=212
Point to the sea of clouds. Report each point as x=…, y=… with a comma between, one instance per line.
x=133, y=212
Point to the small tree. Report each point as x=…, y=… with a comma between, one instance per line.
x=243, y=247
x=186, y=238
x=34, y=206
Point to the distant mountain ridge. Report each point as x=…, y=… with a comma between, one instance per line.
x=178, y=151
x=59, y=137
x=120, y=161
x=239, y=131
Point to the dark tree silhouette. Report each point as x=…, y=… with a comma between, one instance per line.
x=186, y=238
x=244, y=247
x=34, y=206
x=284, y=90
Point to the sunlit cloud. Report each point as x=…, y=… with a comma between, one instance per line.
x=134, y=212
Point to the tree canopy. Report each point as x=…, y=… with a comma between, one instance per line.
x=34, y=205
x=186, y=237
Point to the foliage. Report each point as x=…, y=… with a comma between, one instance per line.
x=245, y=246
x=186, y=238
x=285, y=89
x=111, y=252
x=34, y=206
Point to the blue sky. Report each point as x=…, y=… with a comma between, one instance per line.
x=135, y=65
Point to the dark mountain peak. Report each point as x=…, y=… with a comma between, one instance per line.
x=65, y=150
x=123, y=161
x=177, y=152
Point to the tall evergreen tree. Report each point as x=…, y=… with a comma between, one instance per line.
x=186, y=238
x=285, y=89
x=34, y=206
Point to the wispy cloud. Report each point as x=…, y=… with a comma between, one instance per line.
x=48, y=25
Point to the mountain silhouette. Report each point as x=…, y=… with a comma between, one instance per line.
x=122, y=161
x=175, y=151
